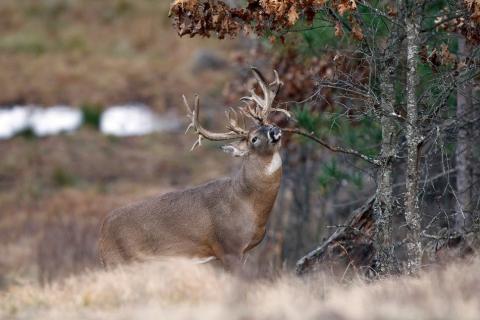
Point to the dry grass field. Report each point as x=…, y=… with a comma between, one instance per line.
x=98, y=52
x=181, y=290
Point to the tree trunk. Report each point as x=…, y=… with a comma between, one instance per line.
x=383, y=204
x=464, y=152
x=412, y=212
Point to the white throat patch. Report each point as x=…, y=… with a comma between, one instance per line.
x=274, y=165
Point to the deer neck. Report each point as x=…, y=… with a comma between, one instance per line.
x=258, y=182
x=260, y=171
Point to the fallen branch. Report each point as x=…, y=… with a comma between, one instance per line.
x=350, y=246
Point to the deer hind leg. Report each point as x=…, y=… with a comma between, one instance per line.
x=113, y=253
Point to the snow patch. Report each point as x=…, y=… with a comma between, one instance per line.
x=55, y=120
x=43, y=122
x=135, y=120
x=13, y=121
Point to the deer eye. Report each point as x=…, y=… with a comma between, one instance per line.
x=254, y=139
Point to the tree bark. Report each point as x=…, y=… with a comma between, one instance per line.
x=464, y=152
x=382, y=208
x=412, y=212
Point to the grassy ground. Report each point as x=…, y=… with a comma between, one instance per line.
x=180, y=290
x=97, y=52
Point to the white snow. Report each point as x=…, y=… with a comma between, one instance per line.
x=135, y=120
x=55, y=120
x=13, y=121
x=42, y=121
x=122, y=121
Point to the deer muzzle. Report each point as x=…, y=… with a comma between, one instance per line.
x=274, y=134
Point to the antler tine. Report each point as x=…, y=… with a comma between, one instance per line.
x=277, y=82
x=269, y=93
x=193, y=115
x=250, y=112
x=254, y=97
x=189, y=113
x=233, y=124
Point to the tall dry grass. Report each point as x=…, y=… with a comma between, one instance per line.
x=181, y=290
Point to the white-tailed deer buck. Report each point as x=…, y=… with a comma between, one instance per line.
x=221, y=219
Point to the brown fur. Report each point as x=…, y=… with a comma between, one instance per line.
x=223, y=218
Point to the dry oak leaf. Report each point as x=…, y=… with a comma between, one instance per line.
x=274, y=7
x=344, y=6
x=474, y=7
x=185, y=4
x=357, y=33
x=338, y=30
x=392, y=11
x=292, y=15
x=447, y=57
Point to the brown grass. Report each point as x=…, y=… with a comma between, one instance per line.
x=181, y=290
x=97, y=52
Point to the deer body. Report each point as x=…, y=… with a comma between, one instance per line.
x=221, y=219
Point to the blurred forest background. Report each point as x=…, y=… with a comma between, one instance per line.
x=390, y=93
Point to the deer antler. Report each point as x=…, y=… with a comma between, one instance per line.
x=235, y=131
x=258, y=112
x=263, y=106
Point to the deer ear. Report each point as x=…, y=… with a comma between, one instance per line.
x=236, y=149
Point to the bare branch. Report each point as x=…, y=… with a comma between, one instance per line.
x=332, y=148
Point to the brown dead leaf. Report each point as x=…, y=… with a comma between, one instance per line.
x=338, y=30
x=342, y=8
x=357, y=32
x=353, y=5
x=391, y=11
x=292, y=15
x=446, y=55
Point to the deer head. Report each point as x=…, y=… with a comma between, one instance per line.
x=263, y=138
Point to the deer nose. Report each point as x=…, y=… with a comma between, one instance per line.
x=274, y=134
